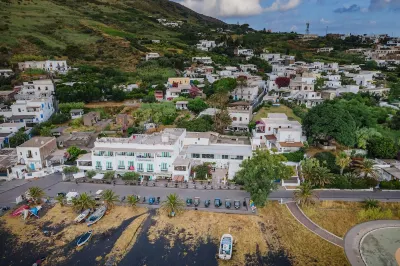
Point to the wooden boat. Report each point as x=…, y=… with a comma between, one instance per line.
x=84, y=238
x=82, y=216
x=97, y=215
x=226, y=247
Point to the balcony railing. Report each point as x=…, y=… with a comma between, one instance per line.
x=164, y=170
x=98, y=167
x=150, y=170
x=140, y=170
x=122, y=167
x=109, y=168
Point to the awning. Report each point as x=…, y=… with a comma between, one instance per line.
x=178, y=178
x=98, y=176
x=79, y=175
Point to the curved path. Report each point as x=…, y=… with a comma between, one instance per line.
x=313, y=227
x=354, y=236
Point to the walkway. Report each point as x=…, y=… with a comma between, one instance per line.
x=313, y=227
x=354, y=236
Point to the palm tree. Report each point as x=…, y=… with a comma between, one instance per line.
x=305, y=196
x=36, y=193
x=110, y=198
x=173, y=204
x=342, y=160
x=60, y=199
x=367, y=167
x=321, y=176
x=83, y=202
x=132, y=200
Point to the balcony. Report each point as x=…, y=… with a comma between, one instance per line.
x=121, y=167
x=164, y=170
x=98, y=167
x=140, y=170
x=150, y=170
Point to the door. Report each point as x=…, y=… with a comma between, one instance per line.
x=32, y=166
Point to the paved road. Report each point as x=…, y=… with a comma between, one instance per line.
x=310, y=225
x=354, y=236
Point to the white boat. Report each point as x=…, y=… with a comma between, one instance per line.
x=82, y=216
x=84, y=238
x=226, y=247
x=97, y=215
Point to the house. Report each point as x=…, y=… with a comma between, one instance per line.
x=58, y=66
x=241, y=114
x=279, y=133
x=150, y=56
x=248, y=67
x=30, y=111
x=7, y=95
x=181, y=105
x=33, y=153
x=7, y=130
x=178, y=86
x=76, y=113
x=325, y=50
x=244, y=52
x=8, y=161
x=159, y=95
x=121, y=119
x=91, y=118
x=202, y=60
x=245, y=93
x=78, y=139
x=5, y=73
x=155, y=41
x=206, y=45
x=270, y=57
x=35, y=89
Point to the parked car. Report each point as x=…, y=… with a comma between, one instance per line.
x=207, y=203
x=236, y=204
x=228, y=203
x=189, y=202
x=196, y=201
x=217, y=203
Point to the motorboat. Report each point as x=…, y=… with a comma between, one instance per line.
x=82, y=216
x=97, y=215
x=83, y=239
x=225, y=247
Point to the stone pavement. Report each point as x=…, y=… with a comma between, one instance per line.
x=313, y=227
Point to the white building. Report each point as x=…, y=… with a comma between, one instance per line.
x=277, y=132
x=248, y=67
x=34, y=152
x=181, y=105
x=6, y=73
x=245, y=93
x=150, y=56
x=244, y=52
x=7, y=130
x=30, y=111
x=203, y=60
x=35, y=89
x=206, y=45
x=270, y=57
x=325, y=50
x=59, y=66
x=241, y=114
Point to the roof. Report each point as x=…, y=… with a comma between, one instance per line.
x=244, y=150
x=182, y=102
x=76, y=110
x=12, y=124
x=85, y=157
x=270, y=137
x=203, y=135
x=181, y=161
x=17, y=117
x=37, y=142
x=291, y=144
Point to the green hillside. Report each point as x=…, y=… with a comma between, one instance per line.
x=112, y=33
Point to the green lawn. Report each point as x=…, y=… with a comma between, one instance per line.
x=263, y=112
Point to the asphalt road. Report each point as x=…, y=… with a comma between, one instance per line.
x=53, y=184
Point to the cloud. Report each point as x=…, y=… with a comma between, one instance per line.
x=372, y=22
x=236, y=8
x=350, y=9
x=323, y=21
x=377, y=5
x=293, y=28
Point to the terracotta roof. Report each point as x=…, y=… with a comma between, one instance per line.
x=291, y=144
x=270, y=137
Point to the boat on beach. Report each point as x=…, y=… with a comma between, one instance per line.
x=82, y=216
x=226, y=247
x=97, y=215
x=84, y=238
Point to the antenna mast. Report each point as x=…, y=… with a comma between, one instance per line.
x=308, y=28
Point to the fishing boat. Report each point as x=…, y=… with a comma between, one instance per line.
x=82, y=216
x=84, y=238
x=20, y=210
x=225, y=247
x=97, y=215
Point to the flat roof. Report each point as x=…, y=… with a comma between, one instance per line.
x=17, y=117
x=37, y=142
x=244, y=150
x=85, y=157
x=12, y=124
x=76, y=110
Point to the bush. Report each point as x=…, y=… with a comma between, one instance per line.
x=130, y=176
x=59, y=118
x=392, y=184
x=90, y=173
x=350, y=182
x=329, y=160
x=381, y=148
x=296, y=156
x=374, y=214
x=109, y=175
x=371, y=203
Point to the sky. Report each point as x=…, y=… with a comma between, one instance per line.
x=332, y=16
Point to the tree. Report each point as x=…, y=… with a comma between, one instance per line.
x=19, y=138
x=282, y=82
x=202, y=171
x=90, y=174
x=327, y=159
x=173, y=204
x=70, y=170
x=118, y=95
x=132, y=200
x=370, y=65
x=197, y=105
x=109, y=175
x=327, y=121
x=65, y=108
x=314, y=173
x=201, y=124
x=130, y=176
x=382, y=148
x=219, y=100
x=222, y=120
x=61, y=199
x=305, y=195
x=363, y=135
x=259, y=173
x=45, y=132
x=36, y=193
x=225, y=85
x=73, y=153
x=319, y=84
x=342, y=160
x=109, y=197
x=83, y=202
x=395, y=122
x=367, y=168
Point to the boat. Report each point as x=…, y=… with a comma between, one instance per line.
x=82, y=216
x=226, y=247
x=84, y=238
x=96, y=215
x=20, y=210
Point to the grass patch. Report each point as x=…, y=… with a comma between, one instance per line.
x=263, y=112
x=339, y=217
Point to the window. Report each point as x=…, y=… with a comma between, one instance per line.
x=98, y=165
x=225, y=157
x=109, y=166
x=207, y=156
x=195, y=155
x=234, y=118
x=19, y=110
x=130, y=154
x=121, y=165
x=240, y=118
x=130, y=164
x=164, y=166
x=165, y=154
x=150, y=168
x=140, y=167
x=269, y=129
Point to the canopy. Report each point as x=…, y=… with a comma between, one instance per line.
x=98, y=192
x=79, y=175
x=178, y=178
x=98, y=176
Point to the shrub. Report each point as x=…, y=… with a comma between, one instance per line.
x=374, y=214
x=130, y=176
x=371, y=203
x=90, y=173
x=392, y=184
x=328, y=159
x=109, y=175
x=296, y=156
